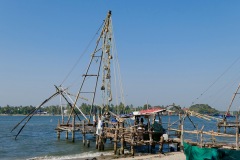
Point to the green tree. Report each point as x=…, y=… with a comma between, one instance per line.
x=203, y=109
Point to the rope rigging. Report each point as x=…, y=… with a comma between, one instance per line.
x=215, y=81
x=80, y=57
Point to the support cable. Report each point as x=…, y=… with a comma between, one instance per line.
x=214, y=82
x=84, y=52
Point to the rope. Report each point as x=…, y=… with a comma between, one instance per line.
x=119, y=71
x=84, y=52
x=224, y=89
x=214, y=82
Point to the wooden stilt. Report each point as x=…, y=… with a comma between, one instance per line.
x=218, y=128
x=115, y=139
x=161, y=144
x=58, y=131
x=225, y=123
x=132, y=142
x=122, y=139
x=97, y=141
x=100, y=143
x=182, y=134
x=88, y=143
x=66, y=134
x=83, y=132
x=58, y=134
x=237, y=133
x=73, y=128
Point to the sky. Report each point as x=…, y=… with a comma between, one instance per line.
x=182, y=52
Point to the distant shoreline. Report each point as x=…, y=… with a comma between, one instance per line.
x=26, y=115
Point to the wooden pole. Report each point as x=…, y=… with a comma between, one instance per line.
x=83, y=132
x=58, y=132
x=88, y=143
x=168, y=129
x=234, y=95
x=225, y=123
x=149, y=134
x=100, y=142
x=161, y=144
x=218, y=127
x=66, y=134
x=182, y=133
x=115, y=139
x=201, y=137
x=122, y=139
x=97, y=137
x=132, y=141
x=73, y=128
x=237, y=133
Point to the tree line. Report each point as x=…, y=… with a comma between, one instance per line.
x=118, y=109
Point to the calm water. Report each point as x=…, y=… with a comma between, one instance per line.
x=39, y=139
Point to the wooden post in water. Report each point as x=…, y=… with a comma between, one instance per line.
x=122, y=138
x=115, y=139
x=97, y=136
x=73, y=128
x=237, y=132
x=161, y=144
x=88, y=143
x=148, y=125
x=100, y=139
x=58, y=131
x=66, y=134
x=132, y=141
x=83, y=132
x=182, y=132
x=179, y=126
x=58, y=134
x=201, y=137
x=218, y=127
x=224, y=127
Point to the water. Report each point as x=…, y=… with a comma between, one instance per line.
x=39, y=139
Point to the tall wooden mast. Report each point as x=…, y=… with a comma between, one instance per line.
x=101, y=55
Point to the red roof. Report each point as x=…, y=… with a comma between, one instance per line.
x=152, y=110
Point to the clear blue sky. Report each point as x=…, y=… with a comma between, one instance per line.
x=169, y=51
